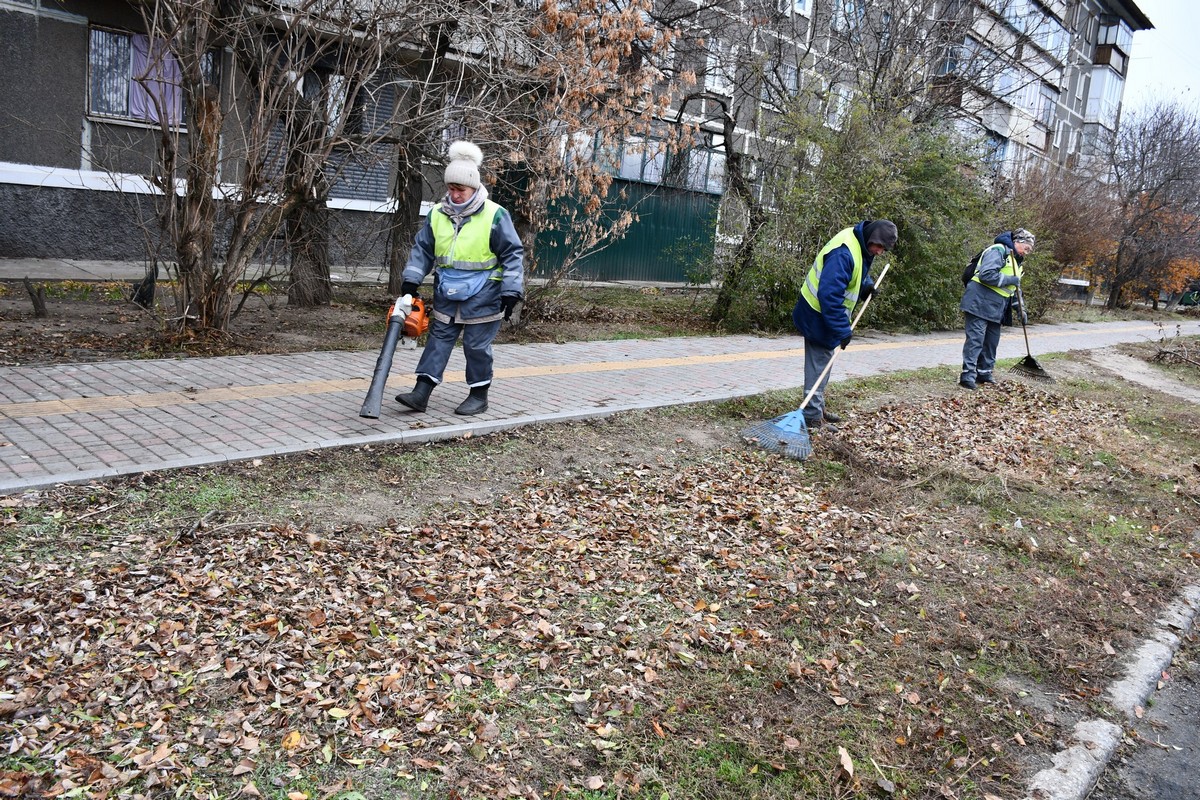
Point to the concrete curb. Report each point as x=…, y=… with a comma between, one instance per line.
x=1076, y=769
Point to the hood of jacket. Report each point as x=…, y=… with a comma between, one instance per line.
x=862, y=245
x=1006, y=240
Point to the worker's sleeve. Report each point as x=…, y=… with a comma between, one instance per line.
x=510, y=254
x=990, y=264
x=420, y=258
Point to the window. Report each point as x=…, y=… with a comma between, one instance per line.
x=995, y=149
x=849, y=16
x=705, y=171
x=343, y=116
x=719, y=68
x=455, y=121
x=1021, y=15
x=336, y=89
x=952, y=62
x=716, y=173
x=1006, y=85
x=1104, y=99
x=1060, y=137
x=779, y=81
x=839, y=104
x=635, y=158
x=1116, y=32
x=642, y=160
x=133, y=78
x=1047, y=101
x=795, y=7
x=1052, y=37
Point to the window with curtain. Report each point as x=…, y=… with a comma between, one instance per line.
x=133, y=78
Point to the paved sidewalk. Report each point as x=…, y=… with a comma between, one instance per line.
x=79, y=422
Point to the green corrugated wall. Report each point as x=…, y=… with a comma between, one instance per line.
x=674, y=229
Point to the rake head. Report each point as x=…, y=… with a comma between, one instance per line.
x=786, y=435
x=1031, y=367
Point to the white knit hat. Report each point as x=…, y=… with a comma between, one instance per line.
x=463, y=168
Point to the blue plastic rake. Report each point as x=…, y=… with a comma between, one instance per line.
x=786, y=435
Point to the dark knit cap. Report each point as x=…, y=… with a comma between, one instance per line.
x=881, y=232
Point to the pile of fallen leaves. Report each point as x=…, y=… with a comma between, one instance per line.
x=576, y=635
x=1001, y=427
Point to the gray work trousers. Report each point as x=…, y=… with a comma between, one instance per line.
x=979, y=350
x=477, y=347
x=816, y=358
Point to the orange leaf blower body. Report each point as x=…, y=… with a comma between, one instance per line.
x=417, y=321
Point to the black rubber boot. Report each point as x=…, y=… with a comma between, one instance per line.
x=418, y=398
x=476, y=402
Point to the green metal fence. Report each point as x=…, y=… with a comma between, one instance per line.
x=672, y=238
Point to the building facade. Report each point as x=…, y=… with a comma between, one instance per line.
x=1034, y=81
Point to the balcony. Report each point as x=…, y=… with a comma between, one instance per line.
x=1111, y=55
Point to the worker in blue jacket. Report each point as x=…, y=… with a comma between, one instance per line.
x=839, y=278
x=471, y=246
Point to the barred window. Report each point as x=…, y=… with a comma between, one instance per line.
x=133, y=77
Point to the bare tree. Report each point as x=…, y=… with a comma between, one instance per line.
x=1151, y=166
x=267, y=150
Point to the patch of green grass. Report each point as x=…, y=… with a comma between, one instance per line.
x=86, y=290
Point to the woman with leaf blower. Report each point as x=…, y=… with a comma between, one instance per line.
x=470, y=244
x=987, y=298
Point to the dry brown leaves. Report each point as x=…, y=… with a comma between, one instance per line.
x=495, y=644
x=1010, y=426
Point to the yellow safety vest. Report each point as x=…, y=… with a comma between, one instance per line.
x=1011, y=267
x=468, y=248
x=813, y=279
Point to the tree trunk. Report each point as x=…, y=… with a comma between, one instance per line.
x=37, y=297
x=1114, y=295
x=747, y=249
x=308, y=240
x=197, y=217
x=406, y=220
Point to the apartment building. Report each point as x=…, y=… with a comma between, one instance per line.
x=1063, y=82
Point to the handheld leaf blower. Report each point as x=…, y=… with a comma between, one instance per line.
x=407, y=320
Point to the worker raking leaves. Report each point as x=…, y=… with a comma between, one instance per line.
x=839, y=279
x=987, y=297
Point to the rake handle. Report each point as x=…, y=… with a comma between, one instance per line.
x=1021, y=301
x=853, y=324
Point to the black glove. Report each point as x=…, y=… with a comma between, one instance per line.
x=410, y=287
x=507, y=303
x=846, y=341
x=865, y=292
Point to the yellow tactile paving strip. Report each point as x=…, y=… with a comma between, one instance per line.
x=43, y=408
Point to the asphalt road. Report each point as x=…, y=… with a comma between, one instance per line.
x=1160, y=756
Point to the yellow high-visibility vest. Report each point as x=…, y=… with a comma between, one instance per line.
x=1011, y=267
x=470, y=247
x=813, y=279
